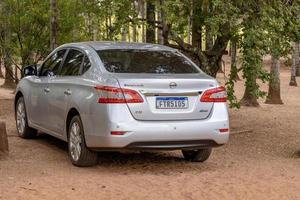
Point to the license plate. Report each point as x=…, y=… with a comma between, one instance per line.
x=172, y=103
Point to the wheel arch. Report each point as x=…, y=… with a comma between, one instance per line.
x=72, y=112
x=17, y=97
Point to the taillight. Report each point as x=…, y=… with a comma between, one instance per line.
x=118, y=132
x=214, y=95
x=118, y=95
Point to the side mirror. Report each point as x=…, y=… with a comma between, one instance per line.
x=30, y=70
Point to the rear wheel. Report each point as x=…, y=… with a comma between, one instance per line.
x=199, y=155
x=79, y=154
x=23, y=129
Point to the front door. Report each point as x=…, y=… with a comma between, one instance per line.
x=41, y=91
x=38, y=100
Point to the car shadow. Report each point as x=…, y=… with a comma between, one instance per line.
x=154, y=162
x=52, y=142
x=296, y=154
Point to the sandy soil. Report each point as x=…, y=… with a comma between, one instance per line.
x=261, y=161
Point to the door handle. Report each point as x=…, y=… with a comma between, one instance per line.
x=67, y=92
x=47, y=90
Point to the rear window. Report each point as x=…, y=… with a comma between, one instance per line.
x=145, y=61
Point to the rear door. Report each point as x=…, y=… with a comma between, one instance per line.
x=62, y=89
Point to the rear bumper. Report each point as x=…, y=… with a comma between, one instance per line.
x=166, y=145
x=162, y=135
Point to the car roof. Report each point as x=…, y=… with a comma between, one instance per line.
x=102, y=45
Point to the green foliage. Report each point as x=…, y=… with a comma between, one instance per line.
x=260, y=27
x=268, y=27
x=27, y=29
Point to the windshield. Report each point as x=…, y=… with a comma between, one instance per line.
x=145, y=61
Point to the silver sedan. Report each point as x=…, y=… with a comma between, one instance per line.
x=102, y=96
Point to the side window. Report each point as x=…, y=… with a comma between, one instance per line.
x=51, y=66
x=86, y=64
x=71, y=66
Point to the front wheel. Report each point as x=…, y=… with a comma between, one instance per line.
x=79, y=154
x=199, y=155
x=24, y=131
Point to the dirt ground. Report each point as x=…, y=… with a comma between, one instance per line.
x=261, y=161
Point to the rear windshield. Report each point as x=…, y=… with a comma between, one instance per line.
x=145, y=61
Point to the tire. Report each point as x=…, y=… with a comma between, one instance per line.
x=199, y=155
x=24, y=131
x=79, y=154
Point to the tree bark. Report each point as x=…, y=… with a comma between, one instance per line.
x=189, y=37
x=1, y=73
x=141, y=5
x=196, y=35
x=297, y=60
x=293, y=81
x=196, y=26
x=234, y=70
x=274, y=84
x=249, y=98
x=16, y=76
x=53, y=25
x=3, y=138
x=150, y=32
x=160, y=38
x=123, y=34
x=134, y=31
x=9, y=76
x=209, y=40
x=9, y=80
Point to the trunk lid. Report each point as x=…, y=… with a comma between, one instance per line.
x=168, y=96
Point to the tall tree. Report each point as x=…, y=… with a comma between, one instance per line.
x=274, y=96
x=160, y=19
x=233, y=68
x=209, y=40
x=135, y=16
x=295, y=58
x=5, y=38
x=196, y=24
x=53, y=24
x=1, y=73
x=252, y=54
x=142, y=5
x=150, y=32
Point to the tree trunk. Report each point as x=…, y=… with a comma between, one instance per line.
x=150, y=32
x=274, y=84
x=234, y=70
x=1, y=73
x=3, y=138
x=142, y=9
x=160, y=38
x=189, y=26
x=293, y=81
x=209, y=40
x=249, y=98
x=16, y=76
x=196, y=35
x=9, y=80
x=95, y=31
x=134, y=31
x=123, y=34
x=297, y=60
x=53, y=25
x=196, y=27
